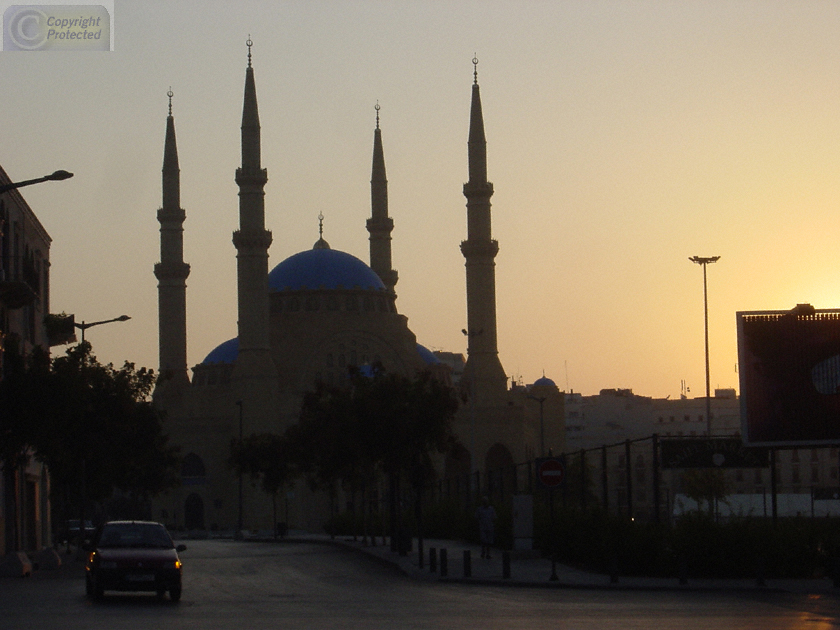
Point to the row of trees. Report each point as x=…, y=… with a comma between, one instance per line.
x=382, y=424
x=92, y=424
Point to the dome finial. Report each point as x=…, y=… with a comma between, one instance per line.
x=475, y=69
x=249, y=43
x=321, y=243
x=170, y=95
x=377, y=108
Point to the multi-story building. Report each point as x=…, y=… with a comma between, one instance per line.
x=614, y=430
x=24, y=303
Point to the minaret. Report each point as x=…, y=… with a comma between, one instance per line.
x=483, y=368
x=172, y=272
x=380, y=224
x=254, y=370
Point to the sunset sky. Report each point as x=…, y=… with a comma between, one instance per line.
x=623, y=138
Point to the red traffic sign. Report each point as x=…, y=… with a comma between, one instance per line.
x=550, y=472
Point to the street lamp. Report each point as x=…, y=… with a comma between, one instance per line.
x=703, y=262
x=470, y=336
x=238, y=535
x=84, y=326
x=53, y=177
x=541, y=400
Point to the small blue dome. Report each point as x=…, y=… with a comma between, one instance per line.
x=323, y=269
x=223, y=353
x=544, y=382
x=427, y=355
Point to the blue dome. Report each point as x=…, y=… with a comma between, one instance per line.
x=323, y=269
x=544, y=382
x=223, y=353
x=427, y=355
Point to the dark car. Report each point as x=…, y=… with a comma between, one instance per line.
x=133, y=556
x=70, y=533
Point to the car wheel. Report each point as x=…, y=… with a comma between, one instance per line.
x=161, y=592
x=98, y=591
x=175, y=593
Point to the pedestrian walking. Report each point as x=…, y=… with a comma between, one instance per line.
x=486, y=516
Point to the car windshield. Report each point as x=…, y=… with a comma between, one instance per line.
x=116, y=535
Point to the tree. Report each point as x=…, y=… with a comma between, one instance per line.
x=706, y=485
x=380, y=423
x=92, y=424
x=263, y=458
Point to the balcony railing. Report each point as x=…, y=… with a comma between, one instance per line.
x=20, y=282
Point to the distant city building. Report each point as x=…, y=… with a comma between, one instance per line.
x=624, y=422
x=24, y=303
x=306, y=321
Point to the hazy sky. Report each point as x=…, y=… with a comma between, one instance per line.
x=623, y=137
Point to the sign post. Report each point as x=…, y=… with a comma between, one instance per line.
x=551, y=471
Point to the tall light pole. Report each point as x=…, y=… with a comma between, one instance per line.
x=52, y=177
x=84, y=326
x=470, y=335
x=703, y=262
x=238, y=534
x=541, y=400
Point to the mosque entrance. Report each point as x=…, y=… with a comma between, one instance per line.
x=194, y=512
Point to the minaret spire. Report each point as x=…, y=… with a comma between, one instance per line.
x=172, y=271
x=483, y=367
x=254, y=370
x=380, y=225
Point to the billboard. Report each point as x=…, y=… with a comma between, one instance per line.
x=790, y=376
x=711, y=453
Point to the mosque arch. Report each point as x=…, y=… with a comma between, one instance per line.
x=457, y=463
x=498, y=456
x=193, y=466
x=194, y=511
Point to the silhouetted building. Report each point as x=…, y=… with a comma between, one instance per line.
x=307, y=320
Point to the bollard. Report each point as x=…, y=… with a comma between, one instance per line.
x=432, y=560
x=683, y=572
x=467, y=563
x=760, y=571
x=506, y=565
x=444, y=563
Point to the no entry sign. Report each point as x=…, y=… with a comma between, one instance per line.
x=550, y=472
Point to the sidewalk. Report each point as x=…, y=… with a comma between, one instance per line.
x=527, y=569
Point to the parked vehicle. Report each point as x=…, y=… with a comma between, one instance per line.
x=133, y=556
x=70, y=533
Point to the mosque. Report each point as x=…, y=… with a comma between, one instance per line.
x=308, y=319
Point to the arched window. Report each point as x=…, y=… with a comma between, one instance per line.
x=192, y=466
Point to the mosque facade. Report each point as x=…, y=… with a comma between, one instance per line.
x=306, y=321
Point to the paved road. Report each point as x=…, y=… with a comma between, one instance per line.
x=314, y=586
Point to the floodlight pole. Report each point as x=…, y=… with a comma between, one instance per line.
x=703, y=262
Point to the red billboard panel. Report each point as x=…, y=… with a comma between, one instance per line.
x=790, y=376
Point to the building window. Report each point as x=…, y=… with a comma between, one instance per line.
x=352, y=304
x=794, y=455
x=312, y=303
x=815, y=473
x=759, y=477
x=815, y=455
x=332, y=303
x=794, y=474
